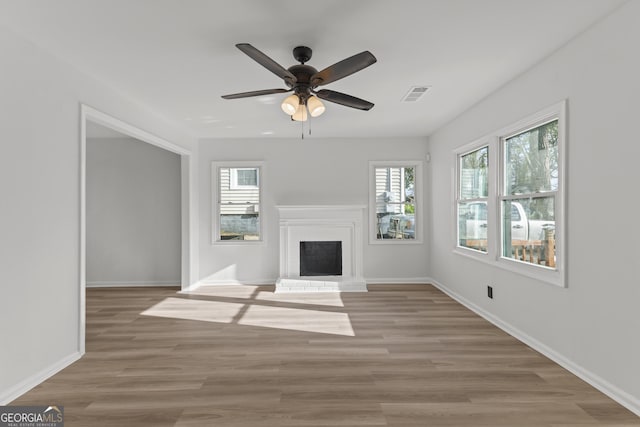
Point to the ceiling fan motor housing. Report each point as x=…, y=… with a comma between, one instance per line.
x=302, y=87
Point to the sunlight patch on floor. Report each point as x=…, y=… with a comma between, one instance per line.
x=295, y=319
x=248, y=314
x=192, y=309
x=226, y=291
x=329, y=299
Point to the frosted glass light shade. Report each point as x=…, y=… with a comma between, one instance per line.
x=301, y=114
x=315, y=106
x=290, y=104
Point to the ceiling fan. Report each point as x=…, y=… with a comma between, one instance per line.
x=304, y=79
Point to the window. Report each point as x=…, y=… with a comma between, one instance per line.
x=530, y=189
x=237, y=196
x=244, y=178
x=394, y=200
x=473, y=196
x=509, y=201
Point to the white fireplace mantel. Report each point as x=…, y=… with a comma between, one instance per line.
x=321, y=223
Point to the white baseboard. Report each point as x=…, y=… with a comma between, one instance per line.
x=257, y=282
x=397, y=281
x=238, y=282
x=371, y=280
x=627, y=400
x=131, y=284
x=7, y=396
x=224, y=282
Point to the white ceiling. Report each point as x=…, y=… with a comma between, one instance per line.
x=178, y=56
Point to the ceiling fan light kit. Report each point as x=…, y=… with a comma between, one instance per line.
x=300, y=115
x=290, y=104
x=304, y=79
x=315, y=106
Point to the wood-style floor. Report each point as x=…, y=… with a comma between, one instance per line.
x=404, y=355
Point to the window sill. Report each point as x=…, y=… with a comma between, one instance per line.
x=540, y=273
x=238, y=242
x=395, y=242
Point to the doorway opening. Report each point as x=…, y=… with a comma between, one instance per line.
x=92, y=123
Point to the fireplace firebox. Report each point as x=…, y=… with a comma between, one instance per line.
x=321, y=258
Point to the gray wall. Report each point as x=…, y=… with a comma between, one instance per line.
x=40, y=213
x=133, y=213
x=594, y=323
x=307, y=172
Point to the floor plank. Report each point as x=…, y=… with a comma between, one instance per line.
x=399, y=355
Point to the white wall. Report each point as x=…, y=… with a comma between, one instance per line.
x=40, y=214
x=298, y=172
x=133, y=213
x=594, y=323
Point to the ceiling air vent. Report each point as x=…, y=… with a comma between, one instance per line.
x=415, y=93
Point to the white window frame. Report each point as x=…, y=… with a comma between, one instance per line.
x=489, y=143
x=418, y=193
x=234, y=178
x=495, y=141
x=215, y=200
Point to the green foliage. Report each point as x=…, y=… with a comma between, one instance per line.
x=532, y=160
x=409, y=177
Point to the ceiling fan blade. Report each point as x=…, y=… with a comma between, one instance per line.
x=344, y=99
x=267, y=62
x=255, y=93
x=344, y=68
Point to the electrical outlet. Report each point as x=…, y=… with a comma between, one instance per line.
x=490, y=291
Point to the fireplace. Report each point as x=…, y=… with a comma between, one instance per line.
x=321, y=248
x=321, y=258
